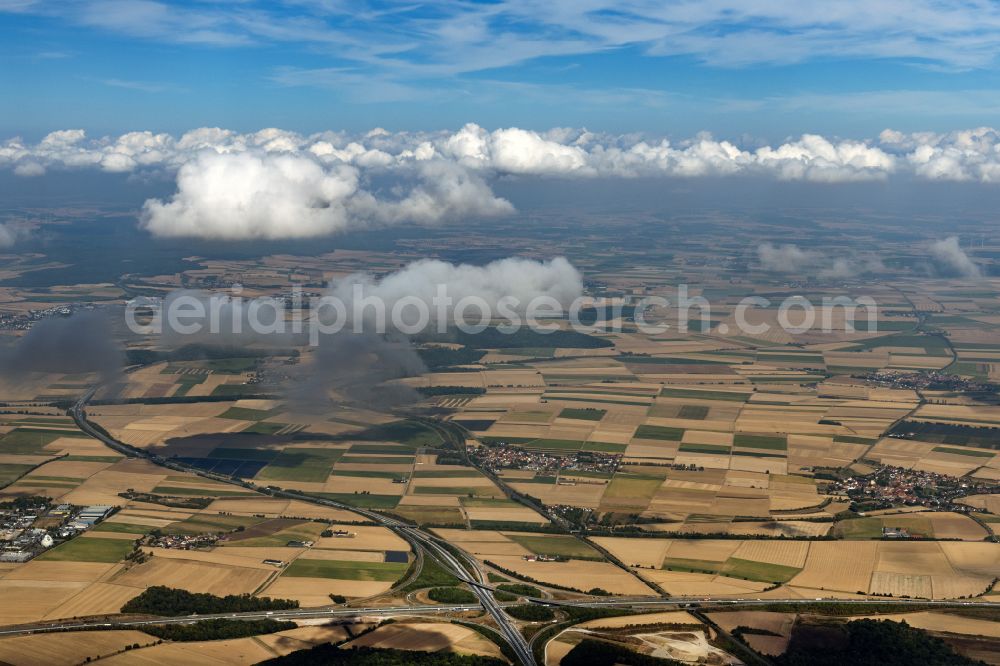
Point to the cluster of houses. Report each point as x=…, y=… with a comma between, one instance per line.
x=20, y=540
x=539, y=558
x=183, y=541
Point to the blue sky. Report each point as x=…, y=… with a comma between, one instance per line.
x=758, y=68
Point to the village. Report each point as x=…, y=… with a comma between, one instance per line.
x=30, y=525
x=501, y=455
x=890, y=486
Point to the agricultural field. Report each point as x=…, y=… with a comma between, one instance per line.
x=96, y=572
x=933, y=570
x=693, y=463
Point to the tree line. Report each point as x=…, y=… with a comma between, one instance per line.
x=171, y=602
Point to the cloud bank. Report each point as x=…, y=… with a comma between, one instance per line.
x=7, y=236
x=950, y=259
x=790, y=258
x=279, y=184
x=81, y=343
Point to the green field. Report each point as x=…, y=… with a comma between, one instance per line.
x=556, y=545
x=604, y=447
x=301, y=464
x=583, y=413
x=107, y=459
x=704, y=448
x=30, y=441
x=735, y=567
x=411, y=433
x=759, y=571
x=11, y=472
x=124, y=528
x=633, y=486
x=244, y=414
x=369, y=571
x=871, y=527
x=89, y=549
x=685, y=564
x=200, y=523
x=693, y=412
x=431, y=515
x=659, y=432
x=447, y=474
x=300, y=532
x=775, y=442
x=848, y=439
x=964, y=452
x=265, y=428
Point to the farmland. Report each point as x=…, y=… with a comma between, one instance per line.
x=846, y=464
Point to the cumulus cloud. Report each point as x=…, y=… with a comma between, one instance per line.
x=972, y=155
x=279, y=184
x=253, y=196
x=790, y=258
x=283, y=195
x=516, y=281
x=444, y=191
x=950, y=259
x=558, y=152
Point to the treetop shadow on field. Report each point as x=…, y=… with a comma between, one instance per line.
x=204, y=444
x=428, y=637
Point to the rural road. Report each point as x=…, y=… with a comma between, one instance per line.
x=413, y=535
x=633, y=604
x=446, y=556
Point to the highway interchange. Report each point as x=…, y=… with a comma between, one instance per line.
x=461, y=564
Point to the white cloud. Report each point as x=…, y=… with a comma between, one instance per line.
x=515, y=151
x=951, y=259
x=445, y=191
x=790, y=258
x=6, y=237
x=9, y=235
x=785, y=258
x=283, y=195
x=972, y=154
x=560, y=152
x=520, y=279
x=284, y=184
x=29, y=169
x=251, y=196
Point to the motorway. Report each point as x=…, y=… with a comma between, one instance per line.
x=255, y=615
x=637, y=604
x=413, y=535
x=432, y=546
